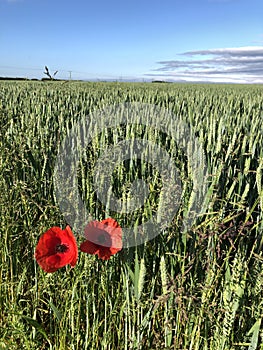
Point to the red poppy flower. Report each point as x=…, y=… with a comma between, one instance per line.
x=104, y=238
x=56, y=248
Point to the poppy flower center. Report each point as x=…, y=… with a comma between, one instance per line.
x=101, y=239
x=61, y=248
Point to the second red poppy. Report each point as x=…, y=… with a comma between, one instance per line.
x=104, y=238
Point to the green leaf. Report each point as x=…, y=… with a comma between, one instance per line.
x=36, y=325
x=255, y=334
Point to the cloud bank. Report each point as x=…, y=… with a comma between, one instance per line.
x=222, y=65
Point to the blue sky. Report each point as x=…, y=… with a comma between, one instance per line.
x=179, y=40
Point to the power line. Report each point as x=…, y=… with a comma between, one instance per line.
x=68, y=73
x=41, y=69
x=24, y=68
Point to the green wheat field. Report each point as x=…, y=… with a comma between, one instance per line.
x=200, y=289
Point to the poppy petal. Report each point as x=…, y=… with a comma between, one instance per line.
x=74, y=246
x=115, y=233
x=89, y=247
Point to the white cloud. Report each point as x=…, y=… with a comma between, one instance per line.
x=237, y=65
